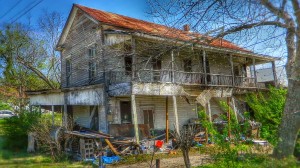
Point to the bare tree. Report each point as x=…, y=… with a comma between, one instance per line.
x=264, y=26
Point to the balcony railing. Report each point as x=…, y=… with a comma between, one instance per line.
x=185, y=78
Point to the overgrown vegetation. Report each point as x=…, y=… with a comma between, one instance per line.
x=268, y=108
x=15, y=129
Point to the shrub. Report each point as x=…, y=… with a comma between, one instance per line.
x=15, y=129
x=268, y=108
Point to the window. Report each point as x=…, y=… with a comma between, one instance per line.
x=68, y=71
x=187, y=65
x=128, y=65
x=92, y=64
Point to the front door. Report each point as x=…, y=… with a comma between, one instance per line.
x=125, y=107
x=149, y=117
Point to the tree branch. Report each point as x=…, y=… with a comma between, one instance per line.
x=249, y=26
x=276, y=11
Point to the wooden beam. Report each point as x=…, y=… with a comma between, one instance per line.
x=204, y=66
x=167, y=119
x=232, y=70
x=111, y=147
x=176, y=114
x=135, y=121
x=274, y=73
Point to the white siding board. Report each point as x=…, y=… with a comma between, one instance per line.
x=81, y=115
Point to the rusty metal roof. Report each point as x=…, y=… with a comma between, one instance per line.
x=154, y=29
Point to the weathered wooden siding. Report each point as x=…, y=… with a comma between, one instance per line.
x=88, y=96
x=83, y=34
x=158, y=103
x=47, y=99
x=81, y=115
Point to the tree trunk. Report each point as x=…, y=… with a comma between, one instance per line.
x=186, y=158
x=290, y=123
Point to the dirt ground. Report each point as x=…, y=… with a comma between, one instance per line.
x=196, y=160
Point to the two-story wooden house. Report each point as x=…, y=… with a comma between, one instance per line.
x=121, y=74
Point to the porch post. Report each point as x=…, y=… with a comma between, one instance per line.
x=204, y=66
x=176, y=114
x=254, y=71
x=167, y=119
x=133, y=44
x=65, y=116
x=228, y=117
x=234, y=109
x=209, y=110
x=274, y=73
x=172, y=66
x=135, y=121
x=52, y=109
x=232, y=71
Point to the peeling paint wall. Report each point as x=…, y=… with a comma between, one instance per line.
x=92, y=96
x=47, y=99
x=157, y=89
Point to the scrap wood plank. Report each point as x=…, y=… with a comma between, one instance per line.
x=112, y=147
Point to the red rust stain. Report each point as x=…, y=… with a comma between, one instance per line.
x=154, y=29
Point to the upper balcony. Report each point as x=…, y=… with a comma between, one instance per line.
x=185, y=78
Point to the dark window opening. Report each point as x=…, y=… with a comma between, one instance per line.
x=128, y=65
x=92, y=71
x=156, y=66
x=92, y=64
x=187, y=65
x=125, y=107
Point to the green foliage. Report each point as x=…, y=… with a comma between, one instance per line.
x=227, y=148
x=15, y=129
x=5, y=106
x=268, y=108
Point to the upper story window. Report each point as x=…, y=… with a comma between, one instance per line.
x=92, y=62
x=128, y=65
x=68, y=71
x=187, y=65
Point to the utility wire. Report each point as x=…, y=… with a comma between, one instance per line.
x=25, y=12
x=9, y=10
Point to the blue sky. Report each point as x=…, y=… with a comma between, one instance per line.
x=132, y=8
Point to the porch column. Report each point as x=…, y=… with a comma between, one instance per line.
x=65, y=115
x=254, y=71
x=204, y=66
x=52, y=109
x=274, y=73
x=228, y=117
x=176, y=114
x=135, y=121
x=234, y=109
x=133, y=44
x=209, y=110
x=232, y=71
x=167, y=119
x=172, y=66
x=102, y=119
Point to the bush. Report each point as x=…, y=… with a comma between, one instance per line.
x=15, y=129
x=5, y=106
x=268, y=108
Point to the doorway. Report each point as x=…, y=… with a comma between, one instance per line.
x=149, y=117
x=125, y=107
